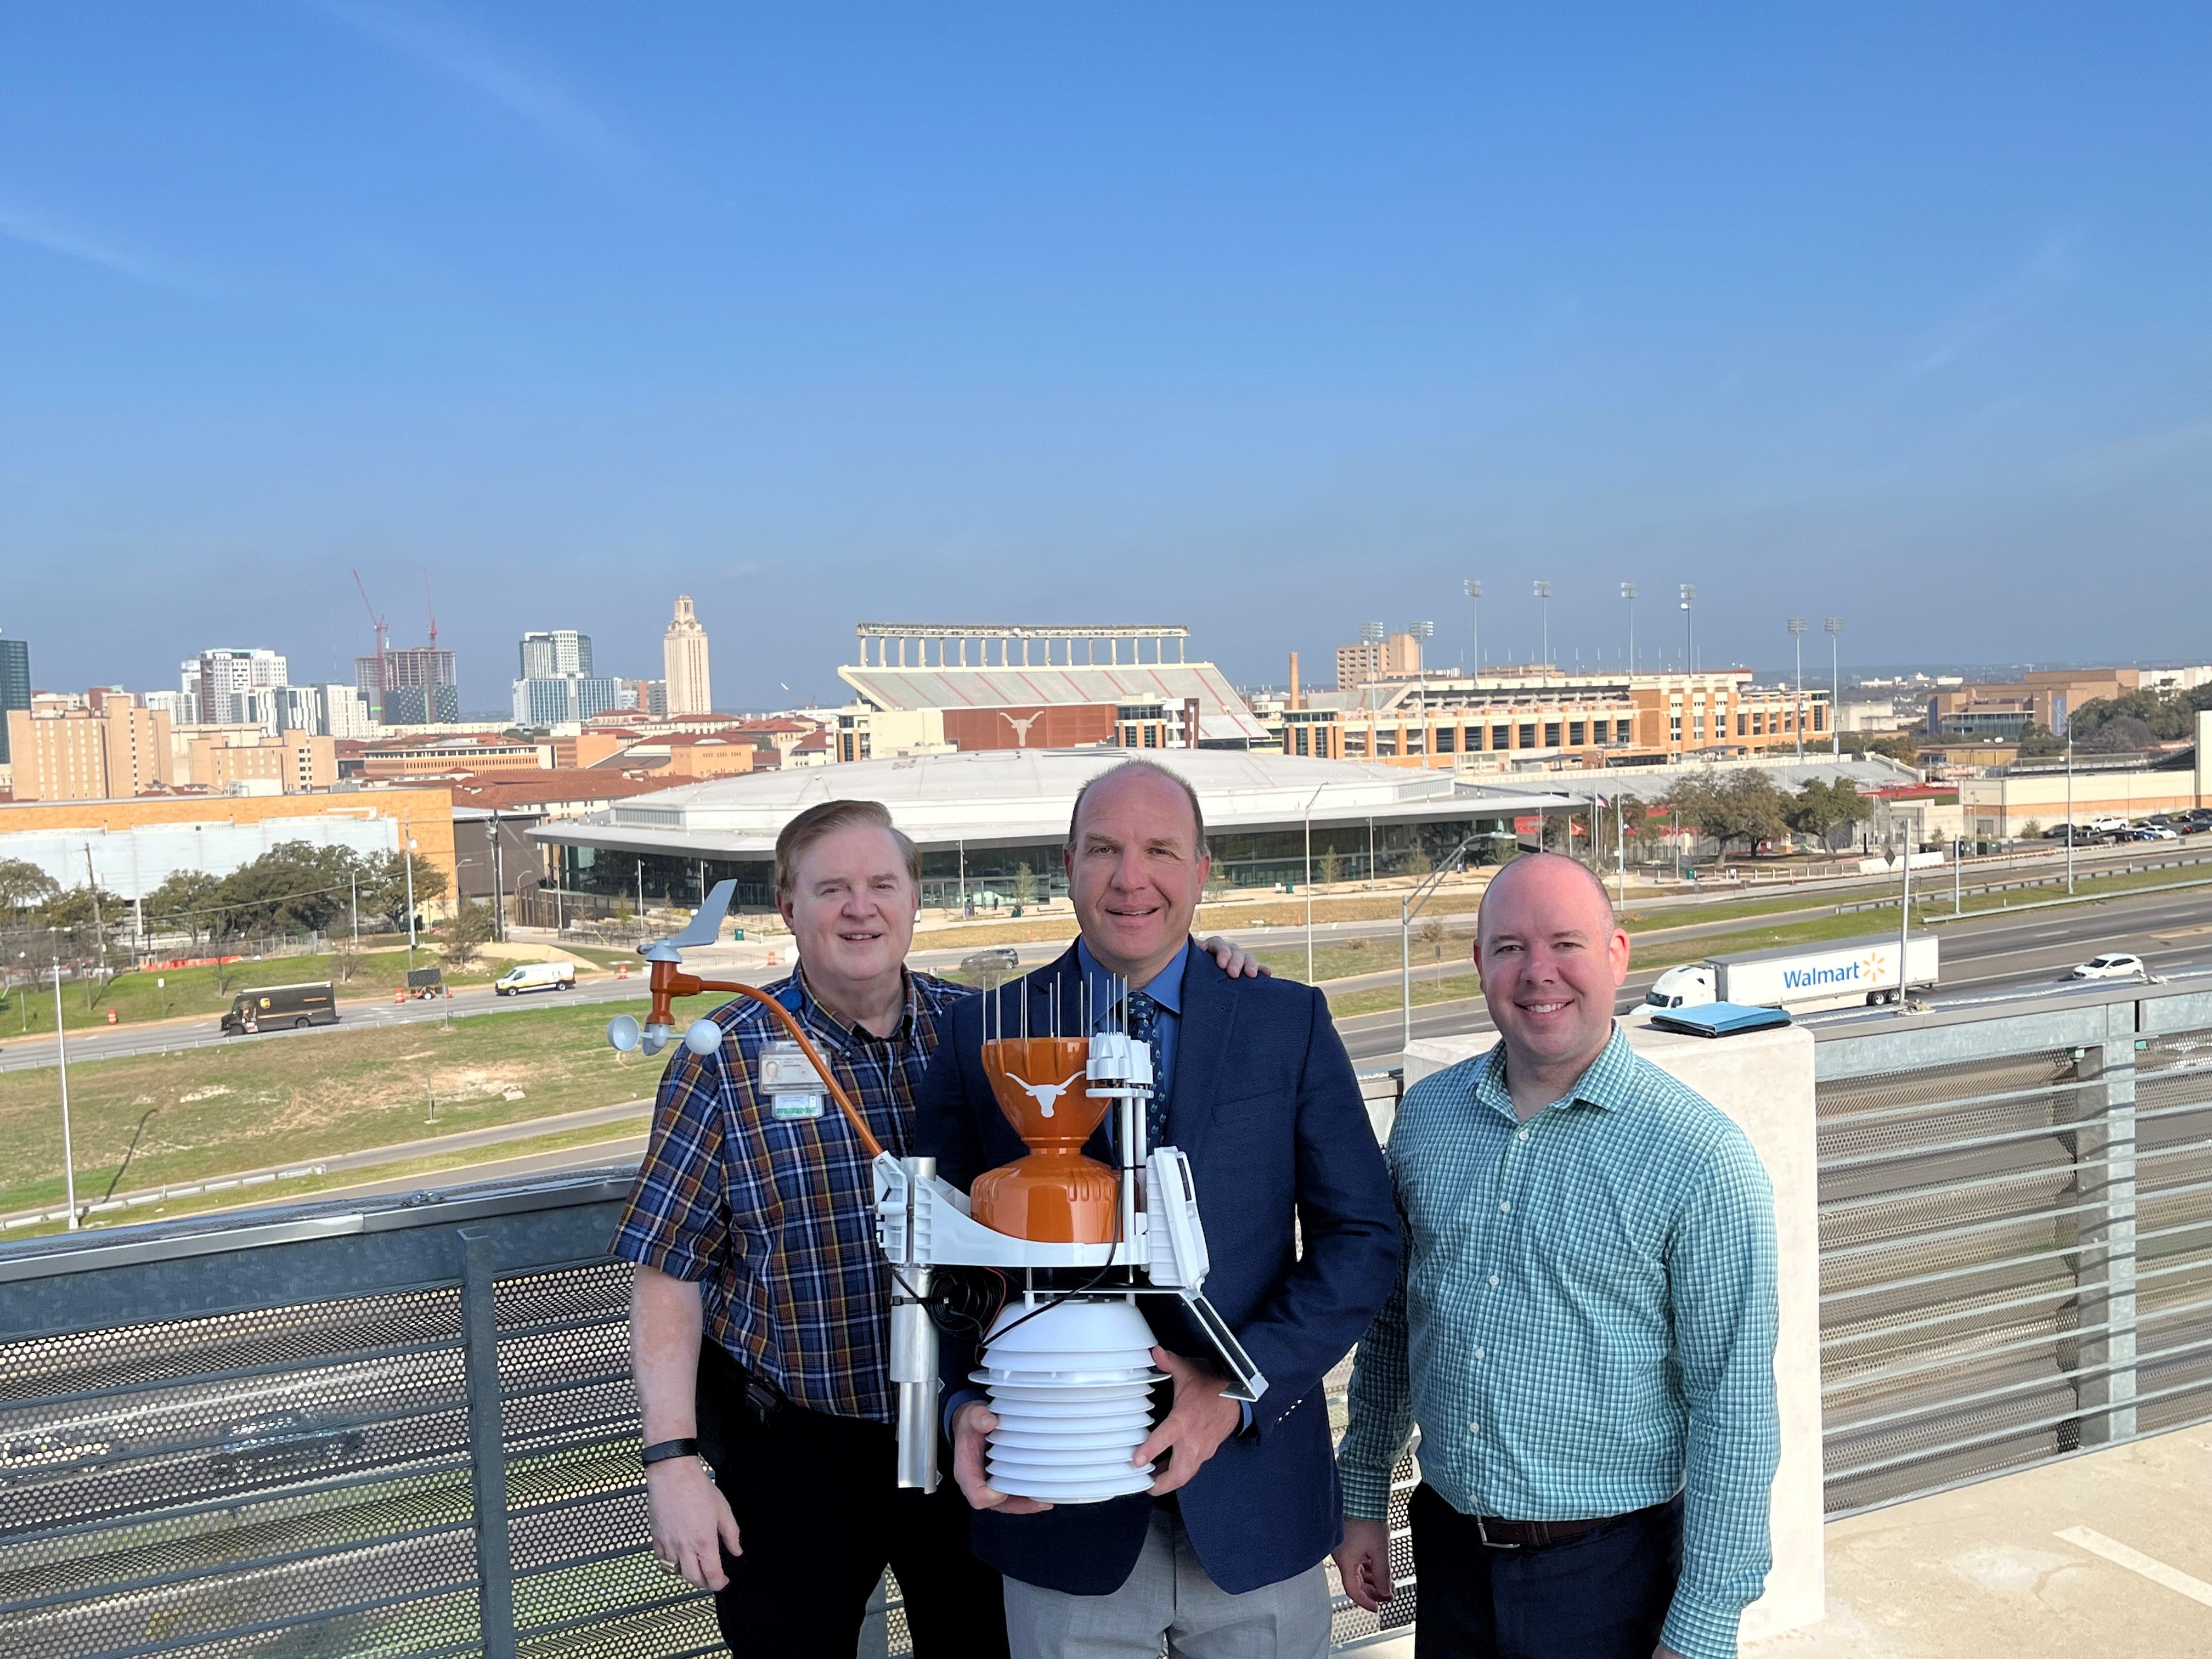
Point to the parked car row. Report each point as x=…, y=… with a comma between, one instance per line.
x=2158, y=826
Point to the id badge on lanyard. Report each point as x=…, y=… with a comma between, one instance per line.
x=794, y=1089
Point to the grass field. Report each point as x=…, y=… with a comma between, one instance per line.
x=220, y=1110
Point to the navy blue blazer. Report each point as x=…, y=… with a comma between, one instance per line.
x=1266, y=1107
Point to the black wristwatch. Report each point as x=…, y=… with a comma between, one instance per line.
x=661, y=1450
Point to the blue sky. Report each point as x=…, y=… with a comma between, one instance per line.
x=1266, y=319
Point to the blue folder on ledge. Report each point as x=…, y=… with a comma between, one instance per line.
x=1715, y=1019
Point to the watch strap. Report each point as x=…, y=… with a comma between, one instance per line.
x=661, y=1450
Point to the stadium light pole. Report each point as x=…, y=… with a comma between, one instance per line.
x=1834, y=626
x=1628, y=592
x=1544, y=599
x=1689, y=597
x=1474, y=599
x=1797, y=638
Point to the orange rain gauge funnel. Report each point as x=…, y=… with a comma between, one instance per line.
x=1056, y=1195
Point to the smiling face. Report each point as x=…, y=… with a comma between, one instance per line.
x=851, y=910
x=1135, y=873
x=1551, y=961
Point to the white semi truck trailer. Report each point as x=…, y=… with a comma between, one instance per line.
x=1804, y=977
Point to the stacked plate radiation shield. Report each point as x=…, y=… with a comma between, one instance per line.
x=1071, y=1385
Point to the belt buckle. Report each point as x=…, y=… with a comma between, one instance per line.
x=1488, y=1542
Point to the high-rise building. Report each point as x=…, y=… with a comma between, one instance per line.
x=345, y=713
x=231, y=684
x=73, y=754
x=564, y=699
x=183, y=707
x=548, y=655
x=684, y=659
x=417, y=685
x=1380, y=655
x=14, y=685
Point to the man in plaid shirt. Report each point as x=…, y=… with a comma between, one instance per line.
x=752, y=1225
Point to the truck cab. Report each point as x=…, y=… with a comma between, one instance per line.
x=1685, y=987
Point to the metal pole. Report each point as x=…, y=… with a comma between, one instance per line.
x=1475, y=599
x=2069, y=808
x=407, y=856
x=1620, y=848
x=499, y=883
x=1544, y=598
x=61, y=1052
x=1904, y=921
x=1628, y=592
x=487, y=1449
x=1405, y=966
x=353, y=882
x=1797, y=638
x=1309, y=825
x=1835, y=627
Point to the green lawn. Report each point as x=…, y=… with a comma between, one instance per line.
x=218, y=1111
x=168, y=992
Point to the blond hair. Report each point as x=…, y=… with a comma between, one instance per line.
x=828, y=818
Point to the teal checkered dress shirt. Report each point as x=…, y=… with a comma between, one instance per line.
x=1584, y=1322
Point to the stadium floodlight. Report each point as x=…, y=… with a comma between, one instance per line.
x=1475, y=599
x=1628, y=592
x=1544, y=599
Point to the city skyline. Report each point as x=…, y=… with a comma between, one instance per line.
x=1801, y=309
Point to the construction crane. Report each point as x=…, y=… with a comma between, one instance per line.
x=382, y=631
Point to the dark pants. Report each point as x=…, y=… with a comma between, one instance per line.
x=820, y=1514
x=1602, y=1596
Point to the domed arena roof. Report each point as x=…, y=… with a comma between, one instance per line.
x=1022, y=795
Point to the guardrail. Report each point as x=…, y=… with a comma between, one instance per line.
x=2016, y=1237
x=404, y=1425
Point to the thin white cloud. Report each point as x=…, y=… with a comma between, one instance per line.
x=534, y=96
x=22, y=224
x=2047, y=272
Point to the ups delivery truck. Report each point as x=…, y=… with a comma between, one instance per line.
x=279, y=1007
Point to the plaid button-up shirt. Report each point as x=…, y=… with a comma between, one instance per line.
x=1584, y=1322
x=775, y=1219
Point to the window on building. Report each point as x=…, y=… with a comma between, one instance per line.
x=1674, y=729
x=1575, y=730
x=1501, y=737
x=1303, y=735
x=1386, y=743
x=1447, y=739
x=1550, y=734
x=1742, y=723
x=1152, y=736
x=1528, y=735
x=1474, y=739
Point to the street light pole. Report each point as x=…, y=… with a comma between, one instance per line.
x=1834, y=625
x=408, y=858
x=1544, y=598
x=1797, y=638
x=2069, y=808
x=1309, y=825
x=1628, y=592
x=1409, y=906
x=61, y=1054
x=1475, y=599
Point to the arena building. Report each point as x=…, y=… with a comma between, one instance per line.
x=983, y=818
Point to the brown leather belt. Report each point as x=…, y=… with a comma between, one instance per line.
x=1499, y=1533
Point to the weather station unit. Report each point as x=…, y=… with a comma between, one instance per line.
x=1067, y=1367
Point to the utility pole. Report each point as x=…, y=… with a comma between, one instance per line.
x=61, y=1054
x=408, y=858
x=1474, y=598
x=1628, y=592
x=1797, y=638
x=1834, y=625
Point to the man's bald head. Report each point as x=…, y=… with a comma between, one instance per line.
x=1562, y=878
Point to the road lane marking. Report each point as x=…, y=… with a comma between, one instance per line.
x=2136, y=1562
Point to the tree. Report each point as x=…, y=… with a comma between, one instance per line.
x=1900, y=746
x=467, y=933
x=345, y=958
x=2036, y=739
x=294, y=887
x=1025, y=885
x=2118, y=734
x=1332, y=867
x=1432, y=934
x=1822, y=808
x=25, y=886
x=186, y=904
x=1747, y=808
x=383, y=892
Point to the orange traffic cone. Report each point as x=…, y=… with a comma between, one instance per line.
x=110, y=1016
x=622, y=970
x=399, y=997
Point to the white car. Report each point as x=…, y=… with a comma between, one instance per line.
x=536, y=976
x=2159, y=832
x=2113, y=965
x=2106, y=826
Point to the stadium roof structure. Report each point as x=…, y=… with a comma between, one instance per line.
x=1021, y=796
x=1222, y=715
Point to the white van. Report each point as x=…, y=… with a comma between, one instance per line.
x=537, y=976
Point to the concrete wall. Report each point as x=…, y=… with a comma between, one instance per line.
x=1764, y=1080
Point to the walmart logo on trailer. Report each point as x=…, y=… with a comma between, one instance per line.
x=1869, y=969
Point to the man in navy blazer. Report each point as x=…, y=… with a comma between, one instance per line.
x=1224, y=1552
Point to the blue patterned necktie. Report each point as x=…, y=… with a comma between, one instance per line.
x=1143, y=1026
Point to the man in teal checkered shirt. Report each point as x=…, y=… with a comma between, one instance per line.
x=1583, y=1326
